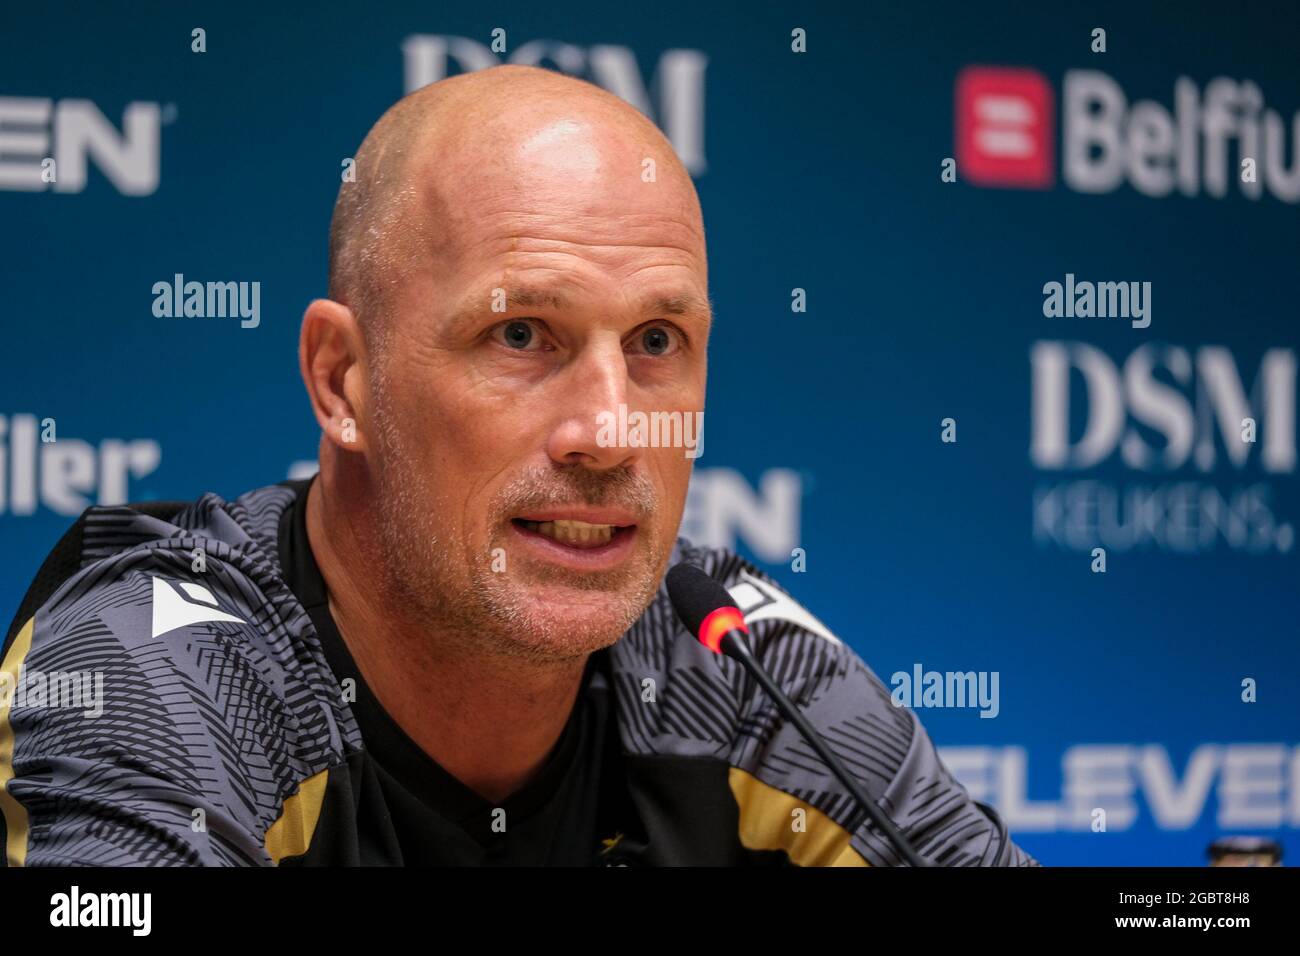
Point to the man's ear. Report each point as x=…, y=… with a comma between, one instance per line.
x=331, y=357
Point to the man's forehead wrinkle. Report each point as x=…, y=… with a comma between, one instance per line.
x=537, y=232
x=553, y=295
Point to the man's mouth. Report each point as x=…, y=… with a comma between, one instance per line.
x=582, y=538
x=582, y=535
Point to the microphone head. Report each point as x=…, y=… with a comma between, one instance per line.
x=703, y=605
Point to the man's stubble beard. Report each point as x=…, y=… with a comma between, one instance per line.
x=432, y=582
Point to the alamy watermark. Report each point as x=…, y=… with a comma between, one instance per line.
x=74, y=908
x=1099, y=300
x=677, y=429
x=78, y=690
x=209, y=300
x=923, y=688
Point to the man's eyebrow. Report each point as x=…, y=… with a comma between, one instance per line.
x=685, y=303
x=474, y=307
x=531, y=298
x=682, y=303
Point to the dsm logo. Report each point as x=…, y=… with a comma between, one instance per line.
x=677, y=106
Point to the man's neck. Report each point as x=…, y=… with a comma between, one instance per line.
x=487, y=720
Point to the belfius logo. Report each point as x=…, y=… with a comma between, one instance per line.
x=1209, y=139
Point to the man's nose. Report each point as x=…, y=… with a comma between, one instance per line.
x=592, y=401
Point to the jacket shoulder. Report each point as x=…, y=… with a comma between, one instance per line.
x=708, y=706
x=209, y=691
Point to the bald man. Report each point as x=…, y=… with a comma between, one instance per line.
x=452, y=645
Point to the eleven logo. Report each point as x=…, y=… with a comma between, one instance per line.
x=1209, y=140
x=48, y=144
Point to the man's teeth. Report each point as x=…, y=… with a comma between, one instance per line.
x=578, y=533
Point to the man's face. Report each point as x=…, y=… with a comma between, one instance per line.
x=563, y=287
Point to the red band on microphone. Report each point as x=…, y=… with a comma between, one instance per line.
x=717, y=624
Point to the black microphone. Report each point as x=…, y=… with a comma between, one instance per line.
x=709, y=613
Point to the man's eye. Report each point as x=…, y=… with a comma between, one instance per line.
x=519, y=335
x=658, y=340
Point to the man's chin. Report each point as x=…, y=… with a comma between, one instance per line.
x=563, y=621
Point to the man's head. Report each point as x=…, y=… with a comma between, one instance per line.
x=520, y=255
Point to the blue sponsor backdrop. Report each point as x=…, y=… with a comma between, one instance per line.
x=819, y=171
